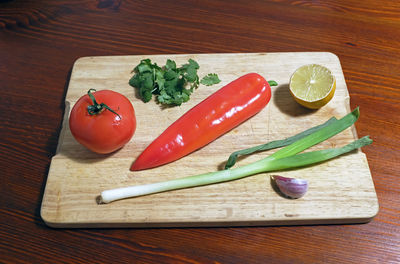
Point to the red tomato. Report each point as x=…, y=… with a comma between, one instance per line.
x=103, y=121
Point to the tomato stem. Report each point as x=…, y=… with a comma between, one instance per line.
x=97, y=108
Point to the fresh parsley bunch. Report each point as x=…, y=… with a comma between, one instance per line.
x=171, y=85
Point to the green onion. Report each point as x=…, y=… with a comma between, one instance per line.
x=319, y=136
x=285, y=158
x=274, y=144
x=313, y=157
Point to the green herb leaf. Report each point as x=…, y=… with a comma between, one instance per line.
x=210, y=79
x=171, y=85
x=191, y=74
x=272, y=83
x=170, y=65
x=170, y=75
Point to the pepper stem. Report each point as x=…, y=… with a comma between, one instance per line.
x=97, y=108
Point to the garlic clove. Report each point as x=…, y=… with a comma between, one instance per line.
x=291, y=187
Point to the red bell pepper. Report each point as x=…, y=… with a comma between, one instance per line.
x=217, y=114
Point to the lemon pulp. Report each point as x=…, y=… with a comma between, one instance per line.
x=312, y=86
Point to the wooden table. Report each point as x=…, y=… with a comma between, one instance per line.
x=39, y=42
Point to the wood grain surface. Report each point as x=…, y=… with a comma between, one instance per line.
x=40, y=41
x=341, y=190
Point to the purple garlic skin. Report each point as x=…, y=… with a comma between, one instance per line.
x=291, y=187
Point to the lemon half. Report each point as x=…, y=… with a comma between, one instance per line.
x=312, y=86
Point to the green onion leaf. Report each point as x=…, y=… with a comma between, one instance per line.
x=319, y=136
x=313, y=157
x=274, y=144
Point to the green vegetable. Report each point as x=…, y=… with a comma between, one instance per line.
x=272, y=83
x=210, y=79
x=171, y=85
x=274, y=144
x=285, y=158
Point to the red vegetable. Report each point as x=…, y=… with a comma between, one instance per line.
x=103, y=127
x=220, y=112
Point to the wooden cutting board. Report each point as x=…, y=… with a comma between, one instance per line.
x=340, y=190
